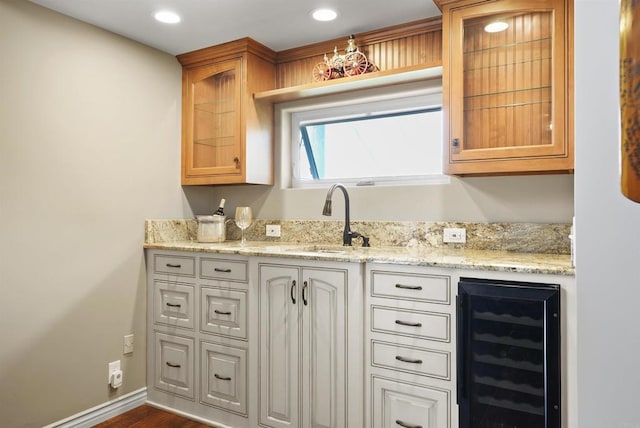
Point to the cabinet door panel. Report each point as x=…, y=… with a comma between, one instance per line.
x=224, y=377
x=223, y=312
x=174, y=364
x=324, y=348
x=173, y=304
x=397, y=404
x=212, y=116
x=279, y=359
x=507, y=99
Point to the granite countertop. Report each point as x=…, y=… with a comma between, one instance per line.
x=557, y=264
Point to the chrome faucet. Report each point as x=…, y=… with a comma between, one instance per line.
x=347, y=234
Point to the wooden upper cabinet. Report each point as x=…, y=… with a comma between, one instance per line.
x=507, y=94
x=226, y=137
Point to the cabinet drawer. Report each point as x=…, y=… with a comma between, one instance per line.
x=426, y=288
x=173, y=304
x=174, y=265
x=174, y=364
x=224, y=377
x=229, y=270
x=223, y=312
x=426, y=362
x=425, y=325
x=396, y=404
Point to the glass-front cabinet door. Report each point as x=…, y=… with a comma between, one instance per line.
x=507, y=78
x=213, y=132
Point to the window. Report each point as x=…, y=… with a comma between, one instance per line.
x=397, y=140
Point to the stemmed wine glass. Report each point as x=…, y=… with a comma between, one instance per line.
x=243, y=220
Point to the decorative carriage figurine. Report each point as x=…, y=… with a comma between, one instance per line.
x=352, y=63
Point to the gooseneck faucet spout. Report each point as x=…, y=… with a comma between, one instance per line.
x=347, y=234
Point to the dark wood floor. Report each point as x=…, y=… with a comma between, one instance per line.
x=151, y=417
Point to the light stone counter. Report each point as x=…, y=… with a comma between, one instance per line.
x=557, y=264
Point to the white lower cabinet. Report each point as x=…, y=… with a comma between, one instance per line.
x=409, y=379
x=311, y=370
x=199, y=341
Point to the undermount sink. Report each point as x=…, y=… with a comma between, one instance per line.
x=324, y=249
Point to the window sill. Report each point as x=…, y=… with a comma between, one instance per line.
x=349, y=84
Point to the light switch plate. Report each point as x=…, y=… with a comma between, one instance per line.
x=127, y=347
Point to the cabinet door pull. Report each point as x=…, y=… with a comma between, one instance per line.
x=293, y=287
x=409, y=287
x=172, y=265
x=304, y=297
x=408, y=360
x=173, y=365
x=409, y=324
x=407, y=425
x=174, y=305
x=217, y=376
x=221, y=312
x=222, y=270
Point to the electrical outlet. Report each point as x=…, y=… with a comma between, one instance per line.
x=127, y=347
x=273, y=230
x=454, y=235
x=114, y=366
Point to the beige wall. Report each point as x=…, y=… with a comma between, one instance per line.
x=89, y=148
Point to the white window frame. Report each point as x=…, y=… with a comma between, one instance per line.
x=397, y=99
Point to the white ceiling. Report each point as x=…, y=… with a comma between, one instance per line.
x=278, y=24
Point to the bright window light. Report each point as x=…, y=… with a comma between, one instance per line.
x=395, y=141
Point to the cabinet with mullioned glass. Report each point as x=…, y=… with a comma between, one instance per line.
x=226, y=136
x=507, y=89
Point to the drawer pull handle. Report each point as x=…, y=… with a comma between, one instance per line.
x=406, y=425
x=222, y=312
x=217, y=376
x=172, y=265
x=408, y=360
x=409, y=287
x=409, y=324
x=174, y=305
x=177, y=366
x=222, y=270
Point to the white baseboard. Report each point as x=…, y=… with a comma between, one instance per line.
x=102, y=412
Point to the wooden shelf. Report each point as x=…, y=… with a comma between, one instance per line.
x=349, y=84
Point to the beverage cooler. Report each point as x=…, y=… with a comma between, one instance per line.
x=508, y=354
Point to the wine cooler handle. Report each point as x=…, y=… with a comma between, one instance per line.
x=460, y=351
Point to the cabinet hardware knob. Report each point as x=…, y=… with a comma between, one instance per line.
x=293, y=287
x=173, y=365
x=409, y=324
x=455, y=145
x=236, y=159
x=408, y=360
x=407, y=425
x=409, y=287
x=171, y=265
x=222, y=312
x=304, y=297
x=222, y=270
x=217, y=376
x=173, y=305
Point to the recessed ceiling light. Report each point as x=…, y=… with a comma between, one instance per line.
x=167, y=17
x=324, y=14
x=496, y=27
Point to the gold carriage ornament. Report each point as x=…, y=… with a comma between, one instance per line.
x=352, y=63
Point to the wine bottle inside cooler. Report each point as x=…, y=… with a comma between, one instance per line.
x=220, y=210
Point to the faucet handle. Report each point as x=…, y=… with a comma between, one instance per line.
x=365, y=241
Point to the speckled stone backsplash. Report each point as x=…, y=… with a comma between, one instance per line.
x=517, y=237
